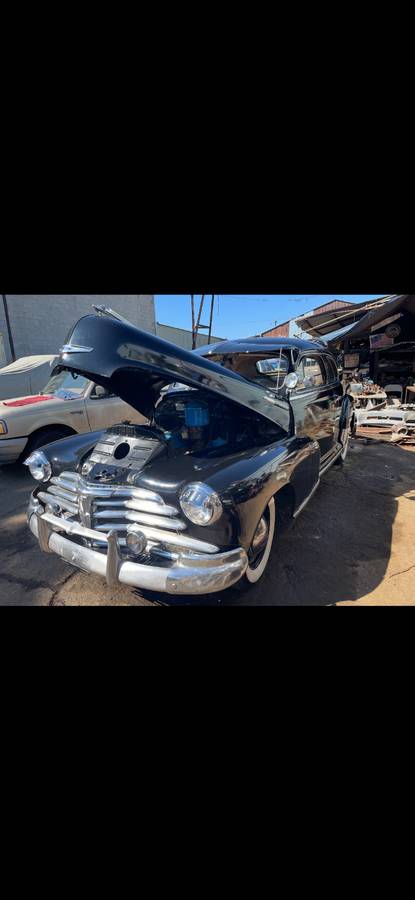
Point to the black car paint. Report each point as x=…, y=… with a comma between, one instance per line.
x=68, y=453
x=136, y=365
x=317, y=411
x=245, y=480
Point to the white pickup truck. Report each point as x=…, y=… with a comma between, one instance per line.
x=69, y=404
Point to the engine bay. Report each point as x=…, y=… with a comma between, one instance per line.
x=193, y=421
x=185, y=421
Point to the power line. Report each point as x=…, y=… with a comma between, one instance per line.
x=297, y=299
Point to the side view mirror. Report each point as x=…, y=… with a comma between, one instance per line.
x=99, y=392
x=278, y=366
x=291, y=381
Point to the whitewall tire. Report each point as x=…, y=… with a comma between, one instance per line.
x=257, y=568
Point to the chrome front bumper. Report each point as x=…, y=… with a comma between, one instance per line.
x=191, y=573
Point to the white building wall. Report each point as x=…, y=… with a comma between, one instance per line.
x=40, y=323
x=182, y=337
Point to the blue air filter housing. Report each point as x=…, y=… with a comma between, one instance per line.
x=196, y=415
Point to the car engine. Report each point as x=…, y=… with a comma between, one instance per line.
x=184, y=421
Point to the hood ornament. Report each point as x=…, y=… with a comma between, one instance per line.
x=72, y=348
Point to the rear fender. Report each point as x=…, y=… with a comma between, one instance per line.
x=347, y=412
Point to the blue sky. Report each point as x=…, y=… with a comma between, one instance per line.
x=241, y=315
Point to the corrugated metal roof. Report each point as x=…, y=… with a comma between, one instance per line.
x=282, y=329
x=377, y=313
x=326, y=323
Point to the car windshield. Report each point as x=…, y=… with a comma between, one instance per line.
x=245, y=364
x=66, y=385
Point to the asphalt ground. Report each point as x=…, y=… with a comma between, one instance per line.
x=353, y=544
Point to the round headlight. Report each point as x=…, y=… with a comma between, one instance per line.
x=39, y=466
x=200, y=504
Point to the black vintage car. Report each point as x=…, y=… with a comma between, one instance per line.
x=238, y=433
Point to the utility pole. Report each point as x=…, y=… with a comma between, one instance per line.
x=211, y=317
x=9, y=330
x=196, y=324
x=193, y=318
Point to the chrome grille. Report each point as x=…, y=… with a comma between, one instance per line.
x=104, y=508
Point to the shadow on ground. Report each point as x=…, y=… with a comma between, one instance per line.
x=337, y=550
x=339, y=547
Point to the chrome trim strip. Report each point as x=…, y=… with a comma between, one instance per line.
x=64, y=504
x=330, y=462
x=304, y=503
x=156, y=534
x=59, y=491
x=100, y=491
x=157, y=521
x=72, y=348
x=116, y=507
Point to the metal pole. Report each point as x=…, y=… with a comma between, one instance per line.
x=9, y=330
x=198, y=321
x=193, y=322
x=211, y=317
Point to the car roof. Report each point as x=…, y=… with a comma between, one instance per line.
x=260, y=345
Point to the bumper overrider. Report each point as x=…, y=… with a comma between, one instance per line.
x=191, y=573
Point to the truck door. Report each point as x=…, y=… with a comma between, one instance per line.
x=105, y=409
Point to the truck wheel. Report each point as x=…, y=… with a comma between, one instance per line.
x=260, y=549
x=43, y=438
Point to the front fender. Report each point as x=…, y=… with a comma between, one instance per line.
x=293, y=465
x=67, y=453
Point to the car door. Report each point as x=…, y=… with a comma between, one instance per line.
x=312, y=402
x=105, y=409
x=337, y=393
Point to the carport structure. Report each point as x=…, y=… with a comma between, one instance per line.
x=377, y=338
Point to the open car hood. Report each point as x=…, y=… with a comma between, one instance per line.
x=136, y=366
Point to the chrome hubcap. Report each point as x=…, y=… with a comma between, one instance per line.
x=259, y=542
x=260, y=535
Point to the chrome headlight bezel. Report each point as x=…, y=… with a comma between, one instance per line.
x=39, y=466
x=200, y=504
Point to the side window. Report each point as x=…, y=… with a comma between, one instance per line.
x=311, y=372
x=331, y=368
x=100, y=393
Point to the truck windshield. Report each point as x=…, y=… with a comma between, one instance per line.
x=66, y=385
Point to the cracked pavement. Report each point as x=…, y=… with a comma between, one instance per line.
x=353, y=545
